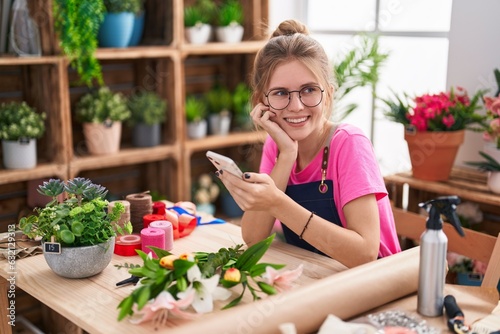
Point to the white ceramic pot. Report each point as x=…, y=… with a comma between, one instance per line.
x=494, y=182
x=197, y=130
x=232, y=33
x=81, y=262
x=19, y=154
x=199, y=34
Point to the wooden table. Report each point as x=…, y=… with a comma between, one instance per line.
x=92, y=303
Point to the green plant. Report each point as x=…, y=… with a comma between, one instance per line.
x=241, y=99
x=196, y=109
x=359, y=68
x=196, y=279
x=79, y=220
x=119, y=6
x=19, y=120
x=77, y=23
x=102, y=105
x=230, y=12
x=199, y=13
x=146, y=108
x=445, y=111
x=489, y=164
x=219, y=99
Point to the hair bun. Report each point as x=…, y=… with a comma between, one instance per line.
x=290, y=27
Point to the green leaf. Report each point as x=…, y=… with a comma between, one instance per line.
x=228, y=284
x=260, y=268
x=181, y=267
x=252, y=255
x=266, y=288
x=143, y=296
x=235, y=301
x=181, y=283
x=77, y=228
x=159, y=252
x=125, y=307
x=67, y=236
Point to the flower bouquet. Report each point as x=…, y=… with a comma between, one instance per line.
x=171, y=285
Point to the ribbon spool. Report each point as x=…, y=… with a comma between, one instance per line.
x=124, y=217
x=159, y=208
x=125, y=245
x=166, y=226
x=140, y=205
x=152, y=237
x=148, y=219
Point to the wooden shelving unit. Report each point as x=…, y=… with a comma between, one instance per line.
x=163, y=61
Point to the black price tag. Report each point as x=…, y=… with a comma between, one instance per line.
x=52, y=247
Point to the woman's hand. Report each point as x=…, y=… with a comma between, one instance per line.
x=264, y=117
x=255, y=192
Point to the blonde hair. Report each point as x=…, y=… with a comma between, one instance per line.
x=291, y=41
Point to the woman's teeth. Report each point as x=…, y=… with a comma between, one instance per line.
x=296, y=120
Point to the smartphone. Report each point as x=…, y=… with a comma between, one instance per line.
x=222, y=162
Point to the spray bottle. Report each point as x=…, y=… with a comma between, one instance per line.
x=433, y=248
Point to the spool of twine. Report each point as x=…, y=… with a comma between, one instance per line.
x=140, y=204
x=124, y=217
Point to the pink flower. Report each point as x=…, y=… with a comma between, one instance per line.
x=454, y=258
x=492, y=104
x=159, y=308
x=282, y=281
x=479, y=267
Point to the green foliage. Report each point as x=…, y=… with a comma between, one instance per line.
x=19, y=120
x=241, y=99
x=154, y=278
x=489, y=164
x=196, y=109
x=219, y=99
x=102, y=105
x=230, y=12
x=147, y=108
x=79, y=220
x=119, y=6
x=360, y=67
x=199, y=13
x=77, y=23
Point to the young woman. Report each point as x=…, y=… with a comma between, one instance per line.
x=319, y=179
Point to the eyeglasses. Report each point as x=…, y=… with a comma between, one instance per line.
x=310, y=96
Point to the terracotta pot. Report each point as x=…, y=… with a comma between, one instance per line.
x=102, y=138
x=433, y=153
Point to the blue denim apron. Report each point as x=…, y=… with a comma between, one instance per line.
x=317, y=197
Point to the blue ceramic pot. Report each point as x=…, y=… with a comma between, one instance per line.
x=137, y=30
x=116, y=30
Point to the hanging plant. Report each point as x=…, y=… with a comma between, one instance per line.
x=77, y=23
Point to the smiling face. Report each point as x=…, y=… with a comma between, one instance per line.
x=297, y=120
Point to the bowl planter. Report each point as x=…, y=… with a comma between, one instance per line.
x=232, y=33
x=199, y=34
x=19, y=154
x=80, y=262
x=433, y=153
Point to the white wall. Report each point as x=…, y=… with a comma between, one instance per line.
x=473, y=55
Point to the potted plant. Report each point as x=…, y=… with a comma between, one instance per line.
x=491, y=129
x=229, y=22
x=118, y=24
x=20, y=127
x=219, y=101
x=148, y=112
x=196, y=111
x=77, y=233
x=197, y=19
x=435, y=127
x=242, y=107
x=102, y=112
x=77, y=24
x=492, y=166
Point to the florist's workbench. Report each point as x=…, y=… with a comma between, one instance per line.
x=325, y=287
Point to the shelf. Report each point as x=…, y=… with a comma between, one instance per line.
x=233, y=139
x=128, y=156
x=136, y=52
x=42, y=60
x=222, y=48
x=42, y=170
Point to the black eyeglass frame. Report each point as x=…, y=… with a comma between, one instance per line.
x=290, y=97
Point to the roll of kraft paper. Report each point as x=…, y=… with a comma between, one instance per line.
x=166, y=226
x=346, y=295
x=140, y=204
x=152, y=237
x=125, y=245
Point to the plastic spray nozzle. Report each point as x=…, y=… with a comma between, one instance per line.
x=446, y=206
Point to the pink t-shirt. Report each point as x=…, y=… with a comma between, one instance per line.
x=353, y=168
